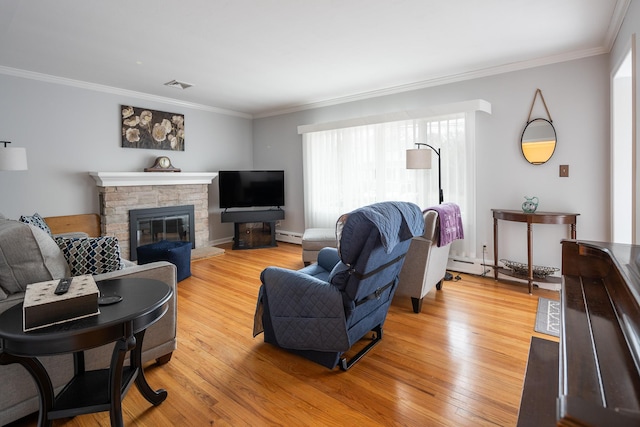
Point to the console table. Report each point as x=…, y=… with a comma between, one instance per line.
x=144, y=301
x=530, y=219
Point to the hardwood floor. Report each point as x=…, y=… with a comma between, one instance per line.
x=461, y=362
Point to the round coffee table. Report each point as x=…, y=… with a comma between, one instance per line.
x=144, y=301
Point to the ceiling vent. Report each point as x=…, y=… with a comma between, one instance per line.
x=179, y=85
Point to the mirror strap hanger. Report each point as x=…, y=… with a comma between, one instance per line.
x=538, y=91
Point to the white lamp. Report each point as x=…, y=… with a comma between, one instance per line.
x=12, y=158
x=421, y=159
x=418, y=159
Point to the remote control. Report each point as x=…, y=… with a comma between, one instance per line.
x=63, y=286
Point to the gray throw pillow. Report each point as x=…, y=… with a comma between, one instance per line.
x=27, y=255
x=52, y=256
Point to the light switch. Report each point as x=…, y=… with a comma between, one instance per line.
x=564, y=171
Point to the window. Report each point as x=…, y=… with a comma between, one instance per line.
x=346, y=167
x=623, y=200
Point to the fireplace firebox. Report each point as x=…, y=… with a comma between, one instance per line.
x=173, y=223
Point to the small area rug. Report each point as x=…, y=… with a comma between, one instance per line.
x=206, y=252
x=548, y=317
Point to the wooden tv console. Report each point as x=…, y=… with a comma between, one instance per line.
x=253, y=228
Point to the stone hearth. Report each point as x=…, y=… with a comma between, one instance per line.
x=121, y=191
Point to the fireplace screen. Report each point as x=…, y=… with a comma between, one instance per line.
x=174, y=223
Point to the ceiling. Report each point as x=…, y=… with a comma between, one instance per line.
x=262, y=57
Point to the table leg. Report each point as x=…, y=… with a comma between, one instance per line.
x=495, y=248
x=78, y=363
x=43, y=382
x=115, y=381
x=155, y=397
x=530, y=256
x=573, y=231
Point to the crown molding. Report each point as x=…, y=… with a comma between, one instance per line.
x=15, y=72
x=617, y=19
x=439, y=81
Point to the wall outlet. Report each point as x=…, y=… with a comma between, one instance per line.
x=564, y=171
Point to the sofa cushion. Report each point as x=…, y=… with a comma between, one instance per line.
x=27, y=255
x=90, y=255
x=36, y=220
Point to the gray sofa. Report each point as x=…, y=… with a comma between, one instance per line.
x=27, y=255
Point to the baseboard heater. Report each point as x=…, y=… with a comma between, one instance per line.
x=468, y=266
x=289, y=237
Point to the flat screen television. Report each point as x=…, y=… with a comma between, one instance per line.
x=244, y=189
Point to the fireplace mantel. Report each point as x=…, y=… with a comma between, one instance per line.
x=122, y=179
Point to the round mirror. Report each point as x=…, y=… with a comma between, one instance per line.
x=538, y=141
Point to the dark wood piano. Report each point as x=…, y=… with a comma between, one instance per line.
x=597, y=362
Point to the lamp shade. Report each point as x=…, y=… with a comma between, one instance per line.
x=13, y=159
x=418, y=159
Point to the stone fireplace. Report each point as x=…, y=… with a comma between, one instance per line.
x=120, y=192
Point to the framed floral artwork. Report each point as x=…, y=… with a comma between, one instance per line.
x=158, y=130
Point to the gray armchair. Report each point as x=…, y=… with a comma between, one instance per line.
x=426, y=263
x=319, y=312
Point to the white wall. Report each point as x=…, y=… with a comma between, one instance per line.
x=577, y=95
x=69, y=131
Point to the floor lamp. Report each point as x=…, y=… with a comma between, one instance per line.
x=12, y=158
x=421, y=159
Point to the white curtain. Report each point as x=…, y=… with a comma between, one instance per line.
x=350, y=167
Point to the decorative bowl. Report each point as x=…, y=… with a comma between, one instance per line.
x=522, y=269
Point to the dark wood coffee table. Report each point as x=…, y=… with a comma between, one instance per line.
x=144, y=302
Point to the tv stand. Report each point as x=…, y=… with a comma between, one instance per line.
x=253, y=229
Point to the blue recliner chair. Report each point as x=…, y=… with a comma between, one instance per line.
x=319, y=312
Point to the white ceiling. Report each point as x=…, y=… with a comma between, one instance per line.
x=264, y=56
